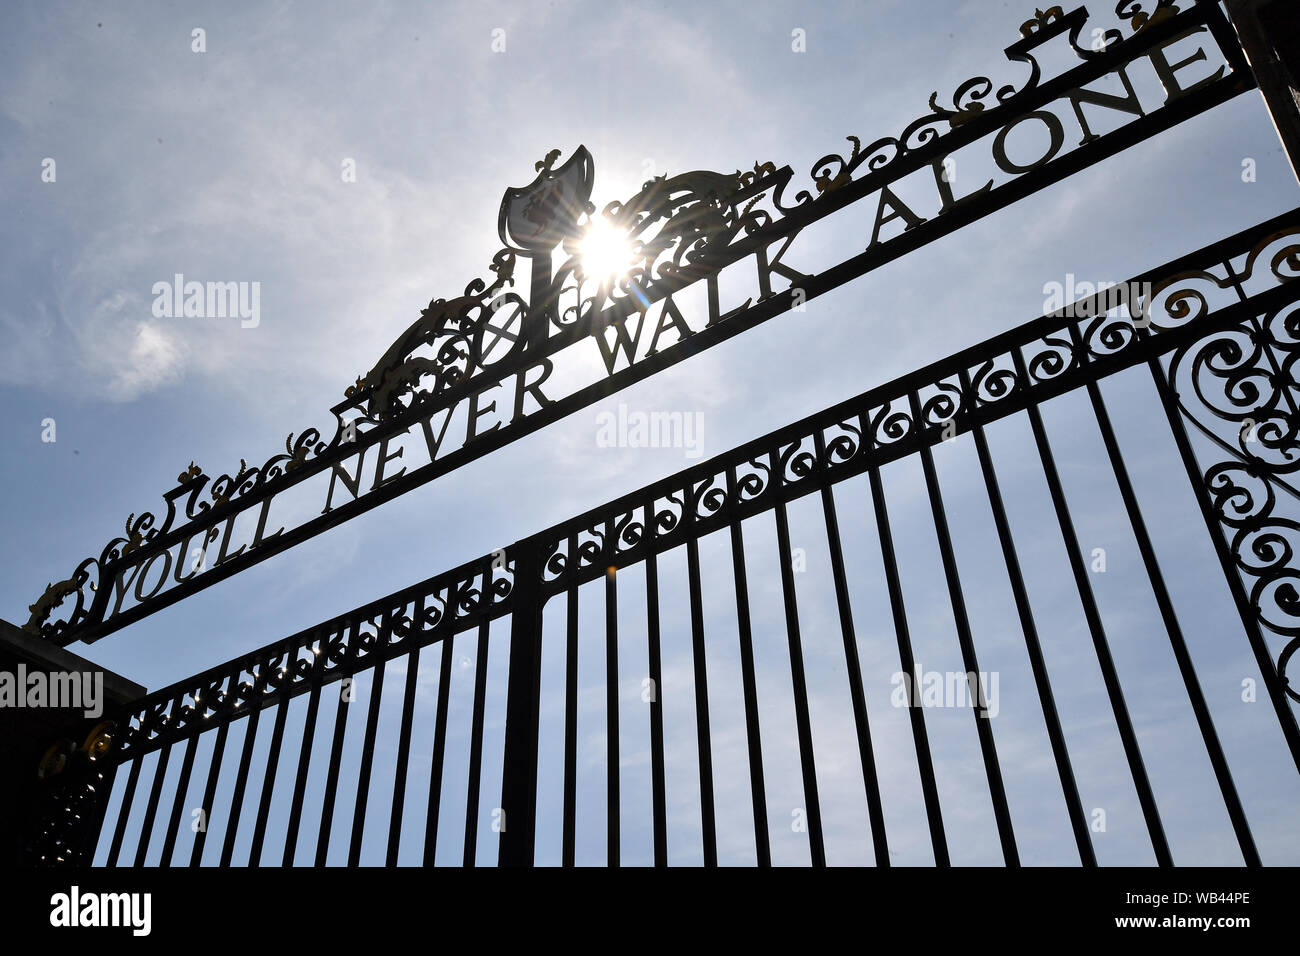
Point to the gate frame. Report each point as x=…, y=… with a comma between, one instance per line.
x=1273, y=65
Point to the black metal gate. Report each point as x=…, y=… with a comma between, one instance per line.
x=1208, y=341
x=1212, y=322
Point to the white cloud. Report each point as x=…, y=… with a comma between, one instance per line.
x=153, y=360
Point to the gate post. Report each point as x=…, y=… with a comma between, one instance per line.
x=55, y=768
x=1271, y=42
x=519, y=762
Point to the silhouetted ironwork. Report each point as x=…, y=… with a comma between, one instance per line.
x=684, y=230
x=1199, y=309
x=1218, y=330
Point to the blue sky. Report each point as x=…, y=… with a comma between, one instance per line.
x=225, y=165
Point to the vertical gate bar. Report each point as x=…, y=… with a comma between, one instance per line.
x=983, y=727
x=300, y=782
x=1226, y=37
x=1274, y=61
x=708, y=819
x=1110, y=677
x=1254, y=636
x=924, y=761
x=657, y=787
x=439, y=751
x=362, y=798
x=816, y=844
x=519, y=758
x=541, y=301
x=178, y=803
x=241, y=778
x=151, y=808
x=474, y=782
x=210, y=793
x=611, y=709
x=124, y=812
x=757, y=786
x=268, y=782
x=94, y=829
x=341, y=708
x=611, y=705
x=571, y=709
x=1185, y=666
x=404, y=740
x=1046, y=699
x=870, y=781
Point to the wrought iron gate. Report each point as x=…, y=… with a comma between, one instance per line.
x=1197, y=351
x=1214, y=334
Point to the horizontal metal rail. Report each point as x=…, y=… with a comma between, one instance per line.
x=484, y=588
x=1170, y=324
x=98, y=610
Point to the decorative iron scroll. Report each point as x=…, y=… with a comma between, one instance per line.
x=413, y=617
x=75, y=790
x=1244, y=376
x=681, y=230
x=1177, y=307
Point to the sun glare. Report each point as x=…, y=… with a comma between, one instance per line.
x=606, y=252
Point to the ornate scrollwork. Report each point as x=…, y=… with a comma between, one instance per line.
x=465, y=335
x=1054, y=357
x=1139, y=20
x=672, y=223
x=842, y=444
x=555, y=561
x=797, y=461
x=628, y=530
x=675, y=226
x=1041, y=19
x=941, y=404
x=753, y=479
x=73, y=791
x=1238, y=387
x=890, y=425
x=457, y=333
x=48, y=601
x=972, y=99
x=708, y=497
x=341, y=645
x=1245, y=376
x=968, y=103
x=994, y=380
x=1109, y=335
x=1263, y=544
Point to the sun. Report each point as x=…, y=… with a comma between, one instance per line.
x=605, y=251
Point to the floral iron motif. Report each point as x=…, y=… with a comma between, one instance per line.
x=677, y=225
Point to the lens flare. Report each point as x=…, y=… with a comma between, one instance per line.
x=606, y=252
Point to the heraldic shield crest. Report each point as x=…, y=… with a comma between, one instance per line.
x=537, y=217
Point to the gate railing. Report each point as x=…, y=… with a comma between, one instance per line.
x=1218, y=331
x=689, y=230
